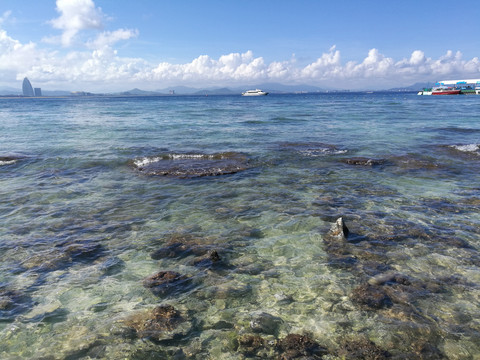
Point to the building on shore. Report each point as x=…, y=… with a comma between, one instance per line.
x=27, y=88
x=37, y=91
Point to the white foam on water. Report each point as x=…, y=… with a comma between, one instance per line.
x=322, y=152
x=7, y=162
x=189, y=156
x=467, y=148
x=153, y=159
x=145, y=161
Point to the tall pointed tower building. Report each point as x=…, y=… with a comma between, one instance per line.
x=27, y=88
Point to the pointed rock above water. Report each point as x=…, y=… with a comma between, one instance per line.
x=338, y=231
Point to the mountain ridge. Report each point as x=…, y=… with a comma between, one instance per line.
x=273, y=88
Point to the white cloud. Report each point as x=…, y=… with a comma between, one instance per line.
x=233, y=67
x=15, y=57
x=99, y=67
x=325, y=67
x=75, y=16
x=109, y=38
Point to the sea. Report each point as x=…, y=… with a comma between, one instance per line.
x=287, y=226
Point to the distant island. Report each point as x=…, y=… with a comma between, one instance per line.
x=272, y=88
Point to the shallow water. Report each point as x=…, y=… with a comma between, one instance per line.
x=83, y=225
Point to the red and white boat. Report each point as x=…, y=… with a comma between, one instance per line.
x=445, y=91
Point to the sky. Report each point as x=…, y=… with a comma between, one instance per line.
x=117, y=45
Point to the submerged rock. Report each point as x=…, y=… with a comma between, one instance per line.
x=64, y=255
x=295, y=346
x=163, y=322
x=13, y=303
x=414, y=162
x=47, y=261
x=265, y=323
x=112, y=266
x=389, y=277
x=191, y=165
x=426, y=351
x=83, y=251
x=363, y=161
x=165, y=282
x=361, y=349
x=212, y=260
x=251, y=345
x=371, y=296
x=177, y=250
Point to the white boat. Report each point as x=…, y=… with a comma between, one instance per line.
x=255, y=92
x=426, y=91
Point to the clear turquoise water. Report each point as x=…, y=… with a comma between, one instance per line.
x=79, y=224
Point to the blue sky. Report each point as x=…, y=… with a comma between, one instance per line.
x=108, y=45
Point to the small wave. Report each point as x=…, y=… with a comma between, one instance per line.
x=145, y=161
x=321, y=152
x=142, y=162
x=314, y=149
x=7, y=162
x=469, y=148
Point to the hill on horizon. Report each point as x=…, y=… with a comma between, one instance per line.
x=273, y=88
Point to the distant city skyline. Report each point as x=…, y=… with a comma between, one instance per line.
x=105, y=46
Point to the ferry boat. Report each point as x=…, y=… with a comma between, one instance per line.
x=454, y=87
x=255, y=92
x=445, y=91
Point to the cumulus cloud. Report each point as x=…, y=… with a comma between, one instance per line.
x=99, y=67
x=75, y=16
x=232, y=67
x=103, y=65
x=15, y=56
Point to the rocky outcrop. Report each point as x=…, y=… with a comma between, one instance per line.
x=338, y=231
x=191, y=165
x=336, y=245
